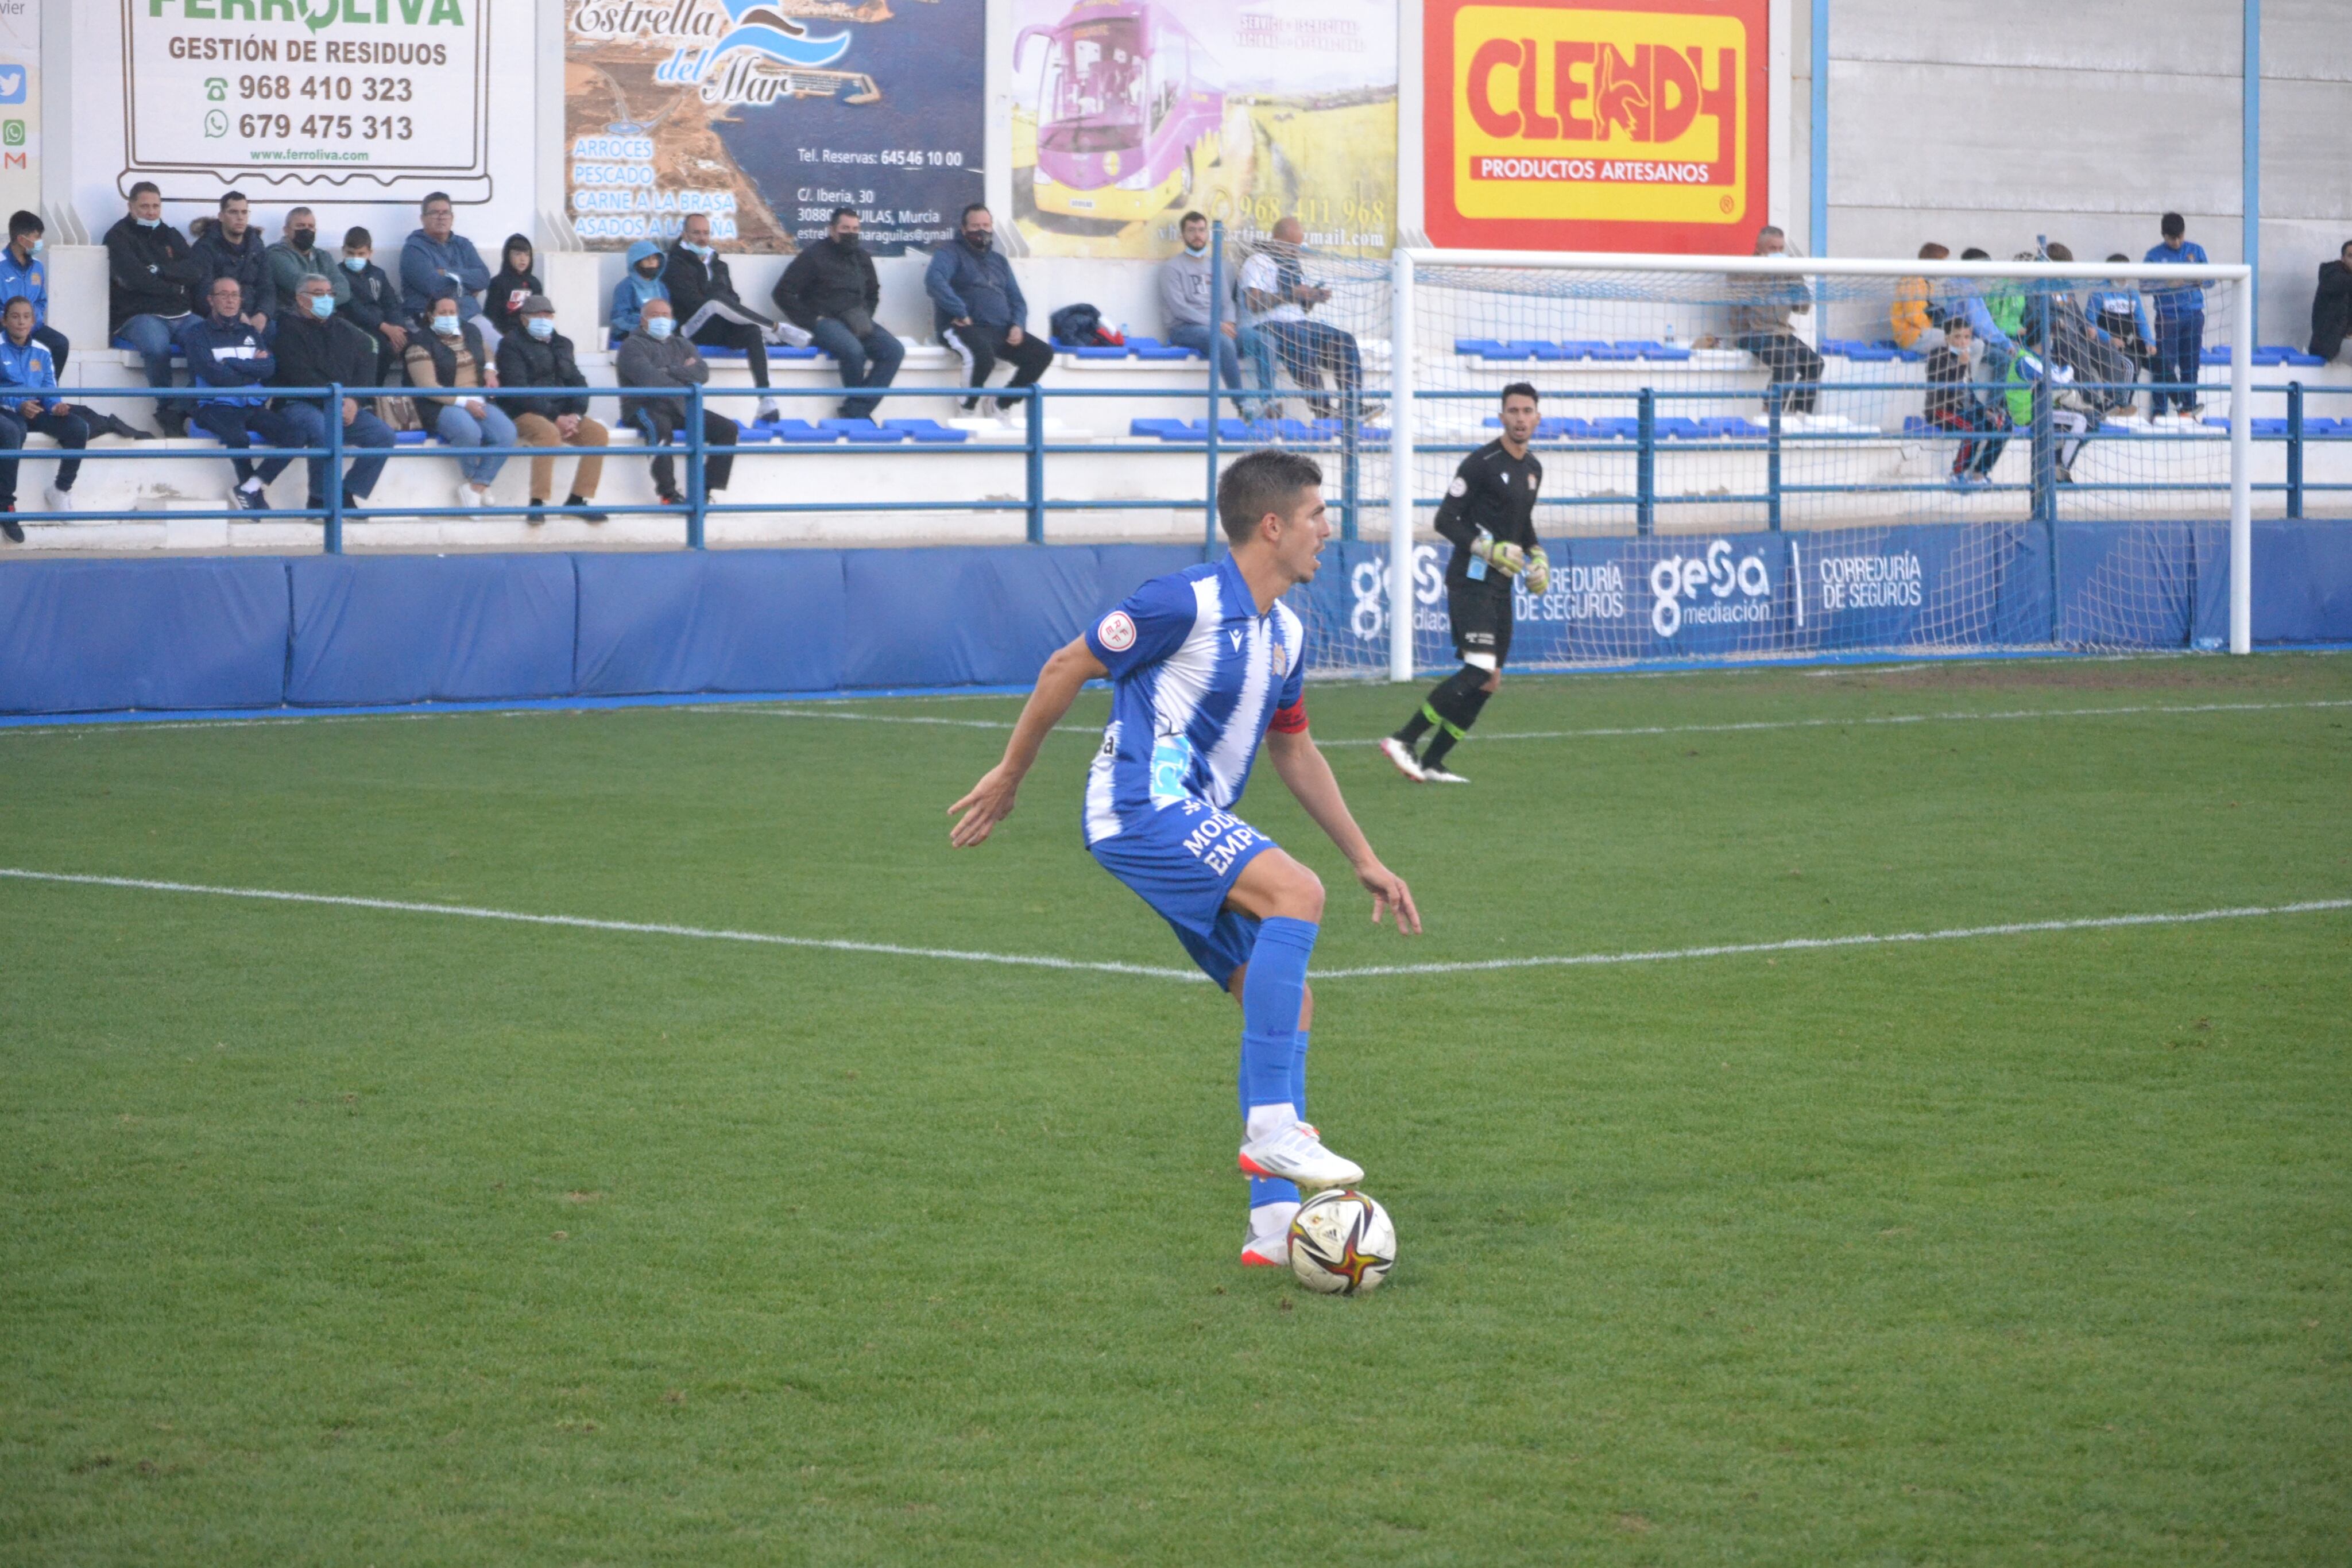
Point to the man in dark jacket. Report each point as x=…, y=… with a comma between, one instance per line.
x=537, y=370
x=232, y=247
x=2331, y=305
x=374, y=304
x=830, y=292
x=656, y=355
x=980, y=310
x=224, y=352
x=317, y=347
x=152, y=272
x=709, y=311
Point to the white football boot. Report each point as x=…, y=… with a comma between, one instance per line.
x=1267, y=1251
x=1294, y=1153
x=1398, y=752
x=1438, y=773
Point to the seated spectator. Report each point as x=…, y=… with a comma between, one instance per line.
x=702, y=293
x=2331, y=306
x=24, y=275
x=978, y=311
x=297, y=256
x=2103, y=371
x=640, y=283
x=231, y=247
x=151, y=271
x=1184, y=280
x=656, y=355
x=1762, y=324
x=1916, y=319
x=513, y=283
x=374, y=305
x=26, y=373
x=2031, y=390
x=537, y=370
x=829, y=292
x=2119, y=313
x=2179, y=320
x=1995, y=333
x=317, y=347
x=224, y=351
x=1953, y=405
x=449, y=357
x=1278, y=296
x=438, y=260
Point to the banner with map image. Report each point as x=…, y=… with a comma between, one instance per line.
x=1128, y=112
x=767, y=114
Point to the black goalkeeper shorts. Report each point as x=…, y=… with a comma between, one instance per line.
x=1482, y=623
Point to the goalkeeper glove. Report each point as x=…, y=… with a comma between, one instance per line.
x=1507, y=558
x=1538, y=572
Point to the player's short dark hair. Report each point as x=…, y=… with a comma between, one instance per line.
x=22, y=222
x=234, y=196
x=2119, y=256
x=1521, y=389
x=2172, y=224
x=1976, y=253
x=841, y=213
x=1267, y=480
x=358, y=238
x=145, y=188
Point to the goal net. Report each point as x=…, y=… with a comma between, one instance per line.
x=1761, y=458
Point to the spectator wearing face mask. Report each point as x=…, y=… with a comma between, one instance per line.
x=449, y=357
x=513, y=283
x=709, y=311
x=297, y=256
x=548, y=401
x=438, y=260
x=657, y=355
x=642, y=281
x=231, y=246
x=317, y=347
x=374, y=305
x=977, y=305
x=830, y=292
x=151, y=274
x=1185, y=280
x=23, y=274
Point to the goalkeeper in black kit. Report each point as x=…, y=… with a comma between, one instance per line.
x=1489, y=515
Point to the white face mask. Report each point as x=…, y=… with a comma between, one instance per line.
x=445, y=325
x=660, y=326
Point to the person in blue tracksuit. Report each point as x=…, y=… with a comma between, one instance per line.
x=23, y=273
x=225, y=352
x=25, y=373
x=2180, y=318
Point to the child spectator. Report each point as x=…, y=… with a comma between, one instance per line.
x=641, y=282
x=374, y=304
x=2179, y=320
x=1953, y=405
x=2118, y=311
x=513, y=283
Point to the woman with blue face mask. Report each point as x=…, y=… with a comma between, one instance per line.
x=449, y=355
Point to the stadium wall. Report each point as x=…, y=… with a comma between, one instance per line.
x=92, y=636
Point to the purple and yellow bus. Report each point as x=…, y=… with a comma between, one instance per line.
x=1129, y=111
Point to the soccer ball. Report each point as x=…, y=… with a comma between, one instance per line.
x=1343, y=1243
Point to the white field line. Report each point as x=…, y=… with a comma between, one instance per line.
x=1950, y=716
x=1038, y=961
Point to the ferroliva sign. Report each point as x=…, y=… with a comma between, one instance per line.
x=387, y=95
x=1639, y=126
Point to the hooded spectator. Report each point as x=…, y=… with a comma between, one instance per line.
x=151, y=272
x=642, y=281
x=513, y=283
x=1917, y=320
x=2331, y=306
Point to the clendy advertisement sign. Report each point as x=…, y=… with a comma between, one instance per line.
x=1641, y=126
x=389, y=95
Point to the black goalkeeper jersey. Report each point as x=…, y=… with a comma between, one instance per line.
x=1495, y=492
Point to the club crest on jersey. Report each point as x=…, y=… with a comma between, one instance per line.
x=1116, y=632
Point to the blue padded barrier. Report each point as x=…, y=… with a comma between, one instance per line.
x=2302, y=582
x=410, y=628
x=961, y=615
x=710, y=621
x=89, y=635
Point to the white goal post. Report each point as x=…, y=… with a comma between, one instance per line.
x=1426, y=341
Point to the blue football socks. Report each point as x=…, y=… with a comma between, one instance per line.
x=1273, y=1048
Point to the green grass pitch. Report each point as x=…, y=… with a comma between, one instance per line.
x=341, y=1235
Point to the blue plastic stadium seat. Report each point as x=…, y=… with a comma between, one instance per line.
x=786, y=351
x=803, y=431
x=1298, y=430
x=1514, y=351
x=1579, y=348
x=1675, y=427
x=1158, y=429
x=2216, y=422
x=1869, y=354
x=2220, y=356
x=1733, y=426
x=1611, y=352
x=929, y=431
x=1101, y=351
x=2270, y=427
x=1629, y=428
x=410, y=437
x=1480, y=346
x=709, y=352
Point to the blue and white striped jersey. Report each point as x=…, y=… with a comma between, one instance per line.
x=1199, y=675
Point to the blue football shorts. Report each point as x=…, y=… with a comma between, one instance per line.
x=1183, y=863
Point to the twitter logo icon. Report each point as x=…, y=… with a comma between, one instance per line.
x=12, y=84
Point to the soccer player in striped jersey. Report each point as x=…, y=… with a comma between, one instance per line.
x=1205, y=664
